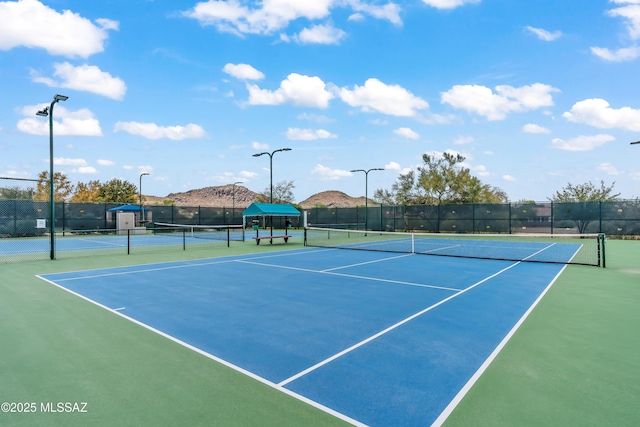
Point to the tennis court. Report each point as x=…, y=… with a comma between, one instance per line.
x=114, y=241
x=288, y=335
x=374, y=338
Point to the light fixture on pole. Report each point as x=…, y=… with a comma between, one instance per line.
x=140, y=191
x=636, y=142
x=233, y=200
x=366, y=190
x=271, y=168
x=271, y=175
x=48, y=111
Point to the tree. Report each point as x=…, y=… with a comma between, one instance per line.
x=440, y=180
x=282, y=193
x=87, y=193
x=61, y=184
x=16, y=193
x=582, y=202
x=117, y=191
x=587, y=192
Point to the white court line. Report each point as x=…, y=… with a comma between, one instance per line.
x=390, y=328
x=84, y=239
x=353, y=276
x=474, y=378
x=367, y=262
x=217, y=359
x=143, y=270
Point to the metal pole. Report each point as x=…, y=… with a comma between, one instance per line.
x=140, y=191
x=52, y=207
x=271, y=174
x=366, y=191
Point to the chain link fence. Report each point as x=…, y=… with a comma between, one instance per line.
x=25, y=223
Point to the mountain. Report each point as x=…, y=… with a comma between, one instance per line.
x=334, y=199
x=223, y=196
x=220, y=196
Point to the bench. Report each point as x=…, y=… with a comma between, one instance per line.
x=270, y=238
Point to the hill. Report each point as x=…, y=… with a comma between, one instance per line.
x=223, y=196
x=333, y=199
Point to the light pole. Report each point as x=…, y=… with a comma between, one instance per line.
x=233, y=200
x=140, y=191
x=633, y=143
x=271, y=168
x=366, y=190
x=48, y=111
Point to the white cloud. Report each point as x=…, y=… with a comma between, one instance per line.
x=327, y=174
x=103, y=162
x=582, y=143
x=65, y=122
x=407, y=133
x=389, y=12
x=480, y=170
x=248, y=175
x=299, y=90
x=509, y=178
x=308, y=134
x=243, y=72
x=85, y=170
x=377, y=96
x=233, y=16
x=483, y=101
x=545, y=35
x=534, y=128
x=320, y=34
x=608, y=168
x=239, y=17
x=145, y=169
x=259, y=146
x=448, y=4
x=316, y=118
x=597, y=112
x=33, y=25
x=620, y=55
x=61, y=161
x=461, y=140
x=392, y=166
x=85, y=77
x=153, y=131
x=631, y=14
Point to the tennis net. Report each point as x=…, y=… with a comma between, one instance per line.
x=583, y=249
x=209, y=232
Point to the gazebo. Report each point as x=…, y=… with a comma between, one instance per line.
x=269, y=209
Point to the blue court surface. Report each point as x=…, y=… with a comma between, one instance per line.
x=81, y=243
x=376, y=338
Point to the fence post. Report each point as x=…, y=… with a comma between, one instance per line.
x=473, y=217
x=552, y=227
x=600, y=216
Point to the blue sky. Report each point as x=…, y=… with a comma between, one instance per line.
x=535, y=94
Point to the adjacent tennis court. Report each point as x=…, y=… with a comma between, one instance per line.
x=375, y=338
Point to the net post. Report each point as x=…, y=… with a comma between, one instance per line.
x=184, y=239
x=228, y=236
x=602, y=239
x=128, y=241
